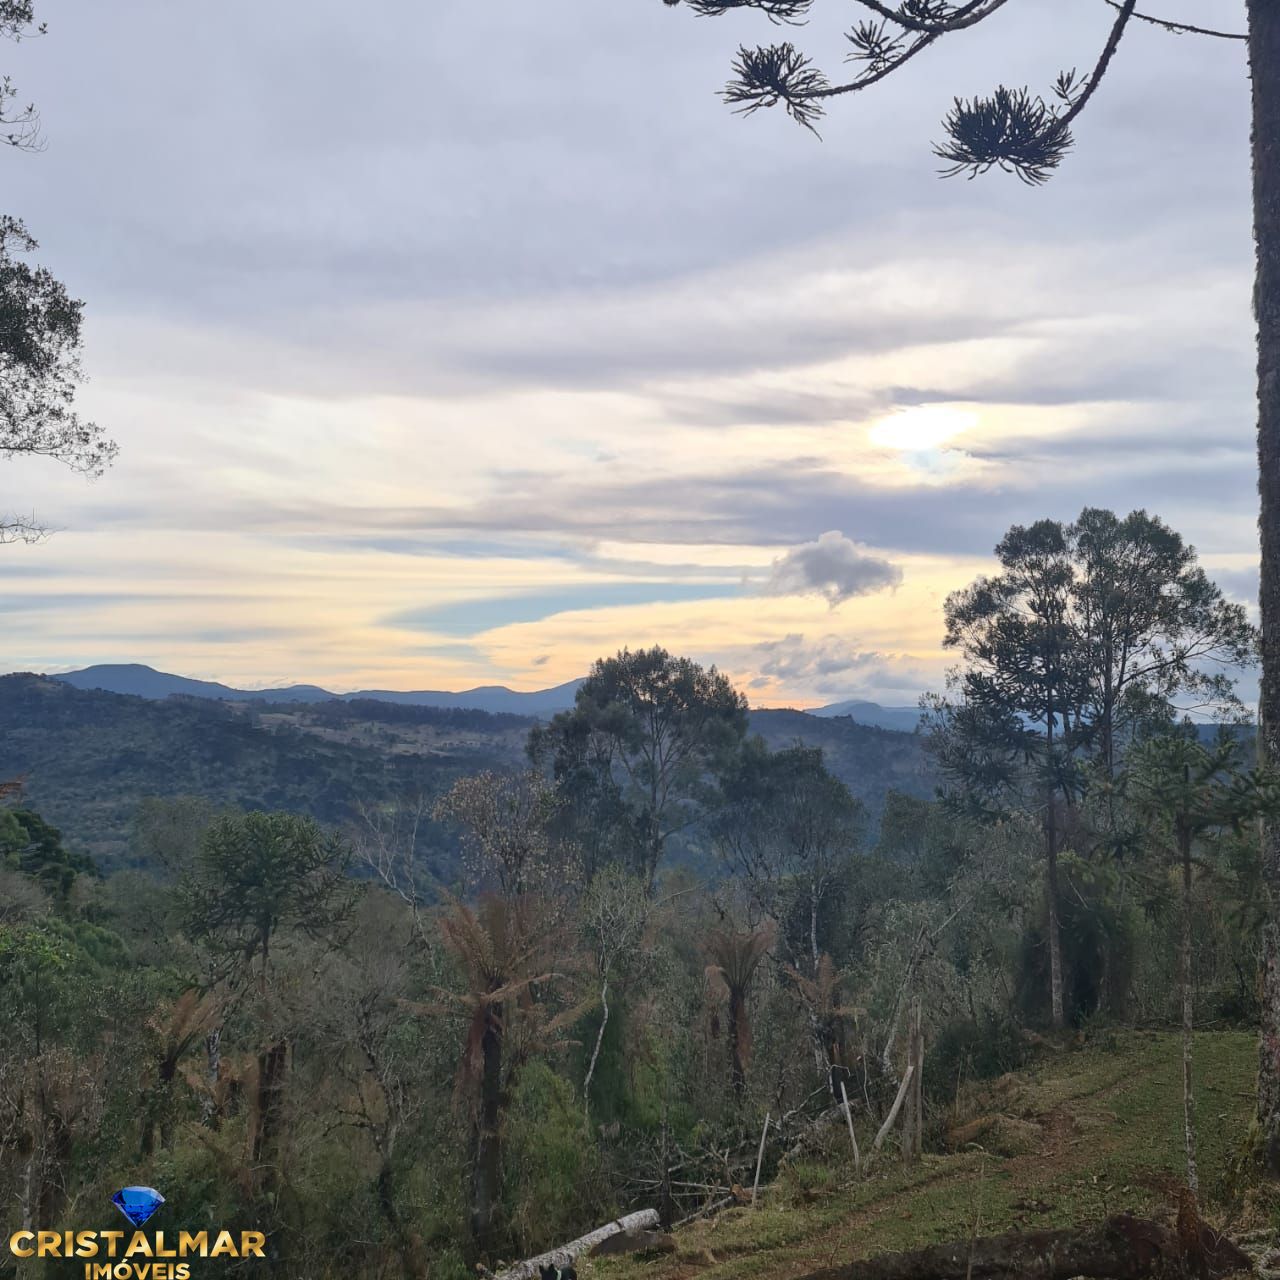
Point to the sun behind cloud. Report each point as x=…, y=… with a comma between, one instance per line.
x=921, y=427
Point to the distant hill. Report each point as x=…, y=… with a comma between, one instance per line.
x=88, y=757
x=146, y=682
x=871, y=762
x=904, y=719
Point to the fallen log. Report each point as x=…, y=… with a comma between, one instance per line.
x=645, y=1219
x=1121, y=1248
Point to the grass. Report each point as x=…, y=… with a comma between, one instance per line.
x=1105, y=1127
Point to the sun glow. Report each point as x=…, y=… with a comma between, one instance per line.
x=921, y=427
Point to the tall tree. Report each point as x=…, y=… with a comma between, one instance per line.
x=1089, y=629
x=1191, y=792
x=39, y=330
x=1019, y=132
x=646, y=737
x=1151, y=626
x=1019, y=687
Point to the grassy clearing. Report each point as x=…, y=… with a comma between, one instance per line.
x=1098, y=1131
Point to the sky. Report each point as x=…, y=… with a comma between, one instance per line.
x=460, y=344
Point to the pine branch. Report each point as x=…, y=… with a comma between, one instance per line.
x=1019, y=133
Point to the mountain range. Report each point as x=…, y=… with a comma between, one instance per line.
x=146, y=682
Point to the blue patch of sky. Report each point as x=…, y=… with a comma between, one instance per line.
x=469, y=617
x=462, y=548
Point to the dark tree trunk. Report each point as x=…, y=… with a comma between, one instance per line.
x=1188, y=1026
x=738, y=1065
x=1264, y=64
x=1051, y=888
x=408, y=1244
x=272, y=1065
x=486, y=1173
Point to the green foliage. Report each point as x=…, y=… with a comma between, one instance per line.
x=39, y=354
x=258, y=873
x=30, y=845
x=972, y=1049
x=90, y=759
x=552, y=1173
x=644, y=742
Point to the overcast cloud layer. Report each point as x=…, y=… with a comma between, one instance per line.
x=455, y=344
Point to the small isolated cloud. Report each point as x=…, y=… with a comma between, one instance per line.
x=832, y=567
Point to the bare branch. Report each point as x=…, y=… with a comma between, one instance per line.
x=21, y=529
x=1181, y=28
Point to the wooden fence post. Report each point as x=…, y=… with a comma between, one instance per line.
x=848, y=1115
x=755, y=1186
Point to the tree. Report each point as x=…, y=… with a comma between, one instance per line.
x=507, y=956
x=1091, y=628
x=786, y=827
x=505, y=821
x=612, y=917
x=19, y=126
x=735, y=956
x=1018, y=690
x=646, y=736
x=1191, y=792
x=39, y=331
x=1018, y=132
x=255, y=875
x=1150, y=624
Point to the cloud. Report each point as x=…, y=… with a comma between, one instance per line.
x=795, y=659
x=829, y=664
x=831, y=567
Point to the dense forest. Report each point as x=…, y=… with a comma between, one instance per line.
x=406, y=1027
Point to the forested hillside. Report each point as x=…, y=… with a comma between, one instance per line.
x=89, y=757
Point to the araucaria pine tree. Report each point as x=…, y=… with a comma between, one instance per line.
x=1029, y=134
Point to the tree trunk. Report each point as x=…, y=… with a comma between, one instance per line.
x=737, y=1029
x=1264, y=65
x=1051, y=893
x=1184, y=971
x=486, y=1172
x=643, y=1220
x=595, y=1052
x=1121, y=1248
x=407, y=1241
x=813, y=927
x=211, y=1107
x=272, y=1065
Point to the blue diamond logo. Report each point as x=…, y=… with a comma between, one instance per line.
x=137, y=1203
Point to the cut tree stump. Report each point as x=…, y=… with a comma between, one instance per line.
x=1121, y=1248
